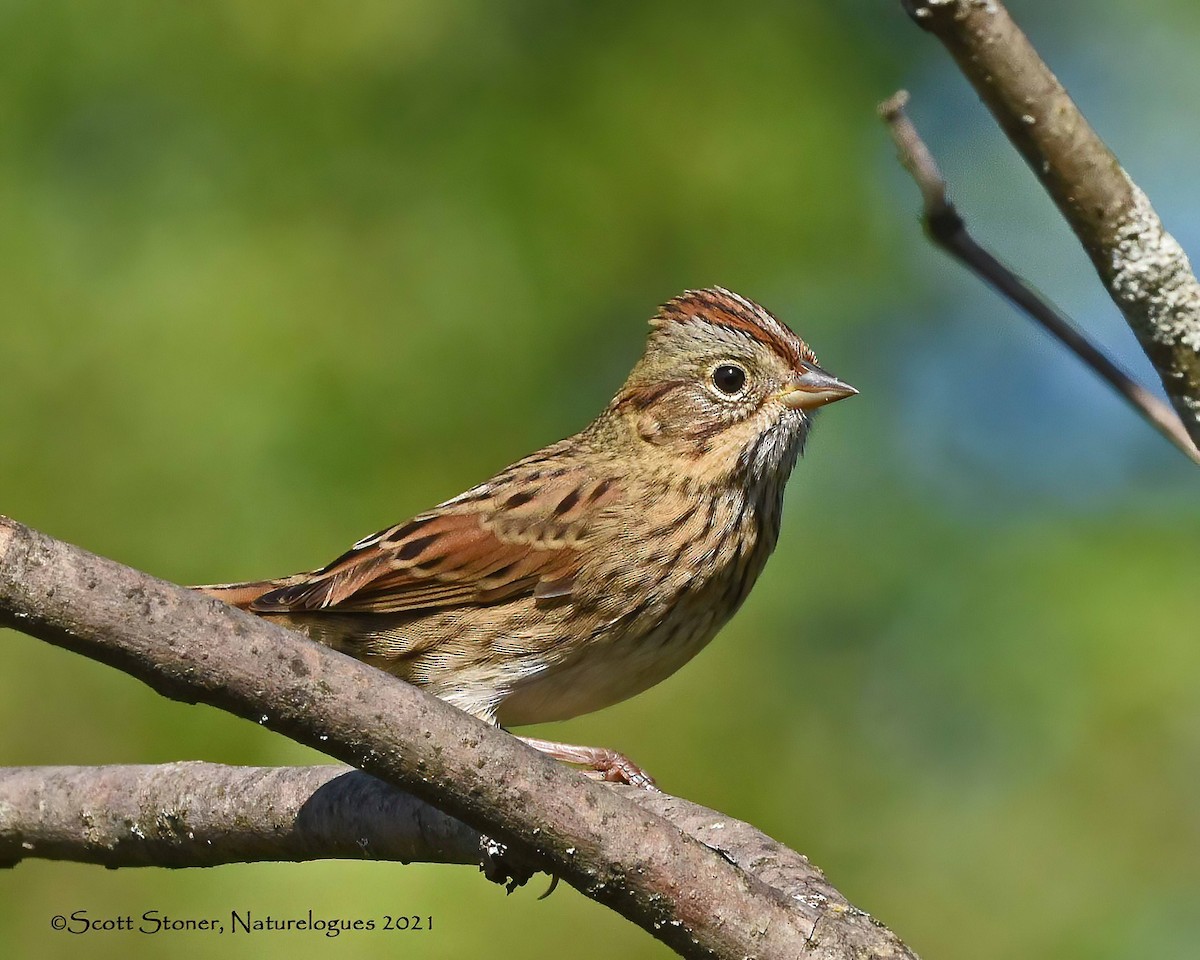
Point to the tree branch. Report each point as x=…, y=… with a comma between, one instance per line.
x=1144, y=269
x=199, y=814
x=195, y=649
x=947, y=229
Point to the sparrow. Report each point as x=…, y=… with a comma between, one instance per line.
x=596, y=567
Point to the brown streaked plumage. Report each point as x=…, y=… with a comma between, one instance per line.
x=596, y=567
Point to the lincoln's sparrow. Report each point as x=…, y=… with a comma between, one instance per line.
x=596, y=567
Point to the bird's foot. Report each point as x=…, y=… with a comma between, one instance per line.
x=601, y=763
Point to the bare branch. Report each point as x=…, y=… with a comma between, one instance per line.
x=947, y=229
x=1143, y=267
x=199, y=814
x=196, y=649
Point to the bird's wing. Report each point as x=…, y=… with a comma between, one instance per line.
x=513, y=536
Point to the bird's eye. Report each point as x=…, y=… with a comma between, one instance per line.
x=729, y=378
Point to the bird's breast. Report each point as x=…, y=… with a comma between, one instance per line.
x=646, y=609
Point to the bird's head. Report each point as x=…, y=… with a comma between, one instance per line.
x=725, y=386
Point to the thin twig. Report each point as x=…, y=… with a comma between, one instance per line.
x=1143, y=267
x=947, y=229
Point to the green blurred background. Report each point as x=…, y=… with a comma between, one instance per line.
x=276, y=275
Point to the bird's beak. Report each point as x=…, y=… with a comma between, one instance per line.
x=814, y=388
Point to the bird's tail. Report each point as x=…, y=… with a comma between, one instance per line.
x=243, y=595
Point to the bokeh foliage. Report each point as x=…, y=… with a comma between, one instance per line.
x=276, y=275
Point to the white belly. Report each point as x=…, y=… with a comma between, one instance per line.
x=605, y=673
